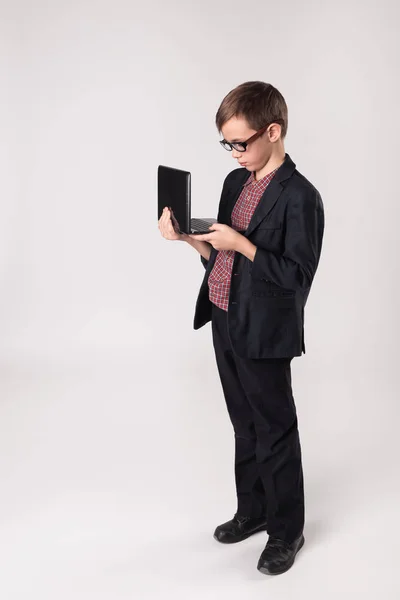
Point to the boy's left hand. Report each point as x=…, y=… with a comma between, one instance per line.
x=221, y=237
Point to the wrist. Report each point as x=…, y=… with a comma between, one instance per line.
x=246, y=247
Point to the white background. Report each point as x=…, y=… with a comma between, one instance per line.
x=116, y=450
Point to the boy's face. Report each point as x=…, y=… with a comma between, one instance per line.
x=257, y=152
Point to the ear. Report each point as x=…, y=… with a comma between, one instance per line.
x=274, y=132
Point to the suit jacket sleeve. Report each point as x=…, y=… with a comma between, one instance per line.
x=296, y=267
x=204, y=261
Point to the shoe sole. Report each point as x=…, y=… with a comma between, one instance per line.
x=265, y=571
x=242, y=537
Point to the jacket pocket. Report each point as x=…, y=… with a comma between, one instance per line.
x=265, y=288
x=272, y=294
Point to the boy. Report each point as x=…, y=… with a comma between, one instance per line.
x=260, y=260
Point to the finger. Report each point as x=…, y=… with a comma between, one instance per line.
x=170, y=228
x=204, y=237
x=166, y=218
x=174, y=221
x=161, y=223
x=164, y=223
x=177, y=229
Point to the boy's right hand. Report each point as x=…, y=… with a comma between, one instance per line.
x=169, y=227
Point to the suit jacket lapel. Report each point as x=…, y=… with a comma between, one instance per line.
x=266, y=204
x=268, y=199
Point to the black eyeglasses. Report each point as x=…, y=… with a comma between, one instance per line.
x=241, y=146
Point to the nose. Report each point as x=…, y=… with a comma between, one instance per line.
x=236, y=153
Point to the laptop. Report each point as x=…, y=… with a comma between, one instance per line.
x=174, y=188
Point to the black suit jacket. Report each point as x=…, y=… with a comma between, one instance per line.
x=268, y=295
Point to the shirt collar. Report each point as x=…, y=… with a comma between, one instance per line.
x=261, y=182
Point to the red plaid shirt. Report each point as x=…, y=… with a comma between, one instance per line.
x=219, y=280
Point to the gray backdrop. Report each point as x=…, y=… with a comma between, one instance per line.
x=116, y=450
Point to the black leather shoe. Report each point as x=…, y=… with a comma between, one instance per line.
x=239, y=528
x=278, y=556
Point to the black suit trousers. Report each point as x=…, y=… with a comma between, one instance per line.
x=268, y=465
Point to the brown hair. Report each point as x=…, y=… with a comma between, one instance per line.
x=258, y=102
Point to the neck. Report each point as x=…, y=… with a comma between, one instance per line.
x=275, y=160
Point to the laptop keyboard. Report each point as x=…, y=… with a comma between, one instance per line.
x=200, y=225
